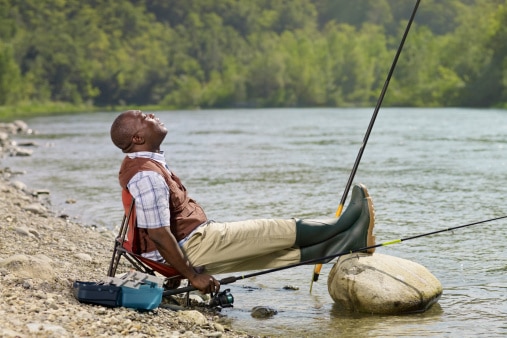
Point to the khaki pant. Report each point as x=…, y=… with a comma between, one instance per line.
x=246, y=245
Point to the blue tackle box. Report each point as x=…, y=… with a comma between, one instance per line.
x=144, y=297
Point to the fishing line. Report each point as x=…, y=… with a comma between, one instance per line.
x=318, y=267
x=232, y=279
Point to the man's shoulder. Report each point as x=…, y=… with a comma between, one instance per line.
x=147, y=174
x=148, y=178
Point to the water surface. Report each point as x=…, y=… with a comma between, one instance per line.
x=426, y=169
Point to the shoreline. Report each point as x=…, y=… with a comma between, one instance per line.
x=41, y=255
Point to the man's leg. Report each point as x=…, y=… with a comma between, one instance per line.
x=244, y=245
x=273, y=260
x=270, y=243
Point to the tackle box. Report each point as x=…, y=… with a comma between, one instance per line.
x=144, y=297
x=97, y=293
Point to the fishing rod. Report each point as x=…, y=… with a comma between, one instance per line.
x=232, y=279
x=318, y=267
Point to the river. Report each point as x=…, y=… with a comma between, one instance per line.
x=426, y=170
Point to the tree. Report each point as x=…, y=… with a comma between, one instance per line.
x=11, y=85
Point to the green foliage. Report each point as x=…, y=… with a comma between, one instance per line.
x=264, y=53
x=11, y=86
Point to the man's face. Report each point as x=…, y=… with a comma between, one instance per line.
x=150, y=128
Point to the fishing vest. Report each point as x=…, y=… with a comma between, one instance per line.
x=186, y=214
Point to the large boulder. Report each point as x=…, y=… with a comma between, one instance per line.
x=382, y=284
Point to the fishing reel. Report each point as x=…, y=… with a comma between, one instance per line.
x=223, y=299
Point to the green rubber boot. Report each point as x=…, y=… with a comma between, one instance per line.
x=310, y=232
x=357, y=236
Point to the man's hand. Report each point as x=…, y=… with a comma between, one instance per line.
x=169, y=249
x=205, y=283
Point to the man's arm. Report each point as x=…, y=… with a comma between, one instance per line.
x=170, y=250
x=152, y=206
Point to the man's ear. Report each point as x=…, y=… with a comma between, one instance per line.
x=137, y=139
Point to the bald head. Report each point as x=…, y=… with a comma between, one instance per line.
x=134, y=131
x=123, y=129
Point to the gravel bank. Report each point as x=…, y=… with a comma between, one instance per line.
x=41, y=255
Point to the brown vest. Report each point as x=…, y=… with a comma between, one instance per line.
x=186, y=214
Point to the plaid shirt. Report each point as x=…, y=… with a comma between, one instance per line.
x=151, y=194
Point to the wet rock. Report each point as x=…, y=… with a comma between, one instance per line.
x=27, y=144
x=263, y=312
x=382, y=284
x=41, y=192
x=21, y=152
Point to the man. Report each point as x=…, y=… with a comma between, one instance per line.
x=176, y=229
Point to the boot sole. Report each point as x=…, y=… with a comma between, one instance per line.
x=370, y=239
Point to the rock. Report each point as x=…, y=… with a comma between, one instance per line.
x=382, y=284
x=39, y=192
x=193, y=316
x=83, y=256
x=19, y=185
x=263, y=312
x=10, y=333
x=35, y=208
x=20, y=126
x=38, y=328
x=196, y=298
x=23, y=231
x=17, y=151
x=35, y=233
x=4, y=137
x=25, y=266
x=219, y=327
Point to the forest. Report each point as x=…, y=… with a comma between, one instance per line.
x=187, y=54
